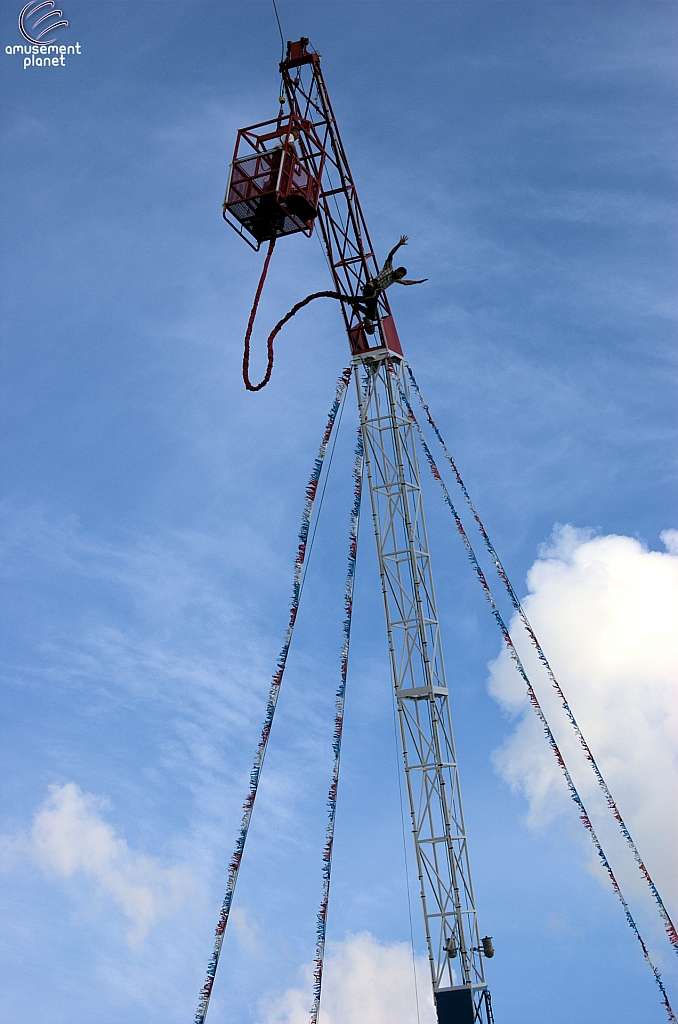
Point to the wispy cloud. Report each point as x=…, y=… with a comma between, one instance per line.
x=70, y=839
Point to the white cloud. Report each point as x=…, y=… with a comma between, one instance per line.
x=70, y=839
x=364, y=982
x=245, y=928
x=605, y=611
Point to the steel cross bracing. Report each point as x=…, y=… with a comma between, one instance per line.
x=420, y=684
x=454, y=946
x=342, y=224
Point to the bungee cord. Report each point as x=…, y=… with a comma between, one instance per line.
x=250, y=325
x=669, y=926
x=281, y=323
x=338, y=729
x=274, y=692
x=583, y=814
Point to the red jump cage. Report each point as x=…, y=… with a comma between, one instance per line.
x=290, y=173
x=275, y=180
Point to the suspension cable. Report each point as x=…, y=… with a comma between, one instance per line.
x=501, y=572
x=338, y=729
x=273, y=694
x=583, y=814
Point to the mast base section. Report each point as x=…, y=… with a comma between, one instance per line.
x=464, y=1004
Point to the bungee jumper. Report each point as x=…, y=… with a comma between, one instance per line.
x=376, y=286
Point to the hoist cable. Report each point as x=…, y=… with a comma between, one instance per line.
x=274, y=692
x=338, y=729
x=583, y=814
x=611, y=803
x=282, y=40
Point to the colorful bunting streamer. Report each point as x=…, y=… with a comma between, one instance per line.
x=583, y=815
x=234, y=865
x=669, y=926
x=338, y=728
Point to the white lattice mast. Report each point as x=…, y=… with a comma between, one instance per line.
x=418, y=671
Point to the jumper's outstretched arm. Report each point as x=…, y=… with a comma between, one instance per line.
x=403, y=241
x=411, y=282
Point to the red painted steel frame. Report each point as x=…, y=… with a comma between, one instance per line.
x=342, y=224
x=282, y=189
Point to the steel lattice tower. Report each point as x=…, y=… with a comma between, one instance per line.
x=317, y=157
x=418, y=674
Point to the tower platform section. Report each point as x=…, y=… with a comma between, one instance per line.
x=462, y=1004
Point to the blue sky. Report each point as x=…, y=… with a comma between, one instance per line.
x=150, y=505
